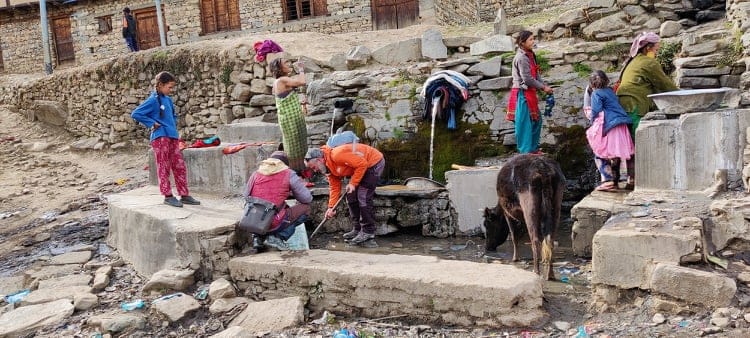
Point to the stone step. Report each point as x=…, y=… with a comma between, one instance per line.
x=251, y=131
x=589, y=216
x=209, y=170
x=153, y=236
x=422, y=288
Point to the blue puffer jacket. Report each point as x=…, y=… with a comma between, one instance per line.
x=604, y=99
x=157, y=108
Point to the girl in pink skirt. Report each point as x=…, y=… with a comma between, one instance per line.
x=609, y=136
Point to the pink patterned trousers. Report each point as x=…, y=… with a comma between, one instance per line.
x=169, y=159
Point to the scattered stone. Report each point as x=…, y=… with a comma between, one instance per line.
x=85, y=301
x=271, y=315
x=493, y=44
x=170, y=279
x=51, y=271
x=175, y=306
x=747, y=317
x=561, y=325
x=117, y=322
x=221, y=288
x=226, y=304
x=658, y=318
x=232, y=332
x=358, y=56
x=45, y=236
x=710, y=330
x=26, y=319
x=721, y=322
x=70, y=280
x=693, y=285
x=101, y=277
x=397, y=245
x=76, y=257
x=432, y=45
x=49, y=295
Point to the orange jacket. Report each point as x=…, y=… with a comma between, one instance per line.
x=343, y=161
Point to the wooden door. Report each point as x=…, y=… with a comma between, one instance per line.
x=147, y=28
x=63, y=40
x=393, y=14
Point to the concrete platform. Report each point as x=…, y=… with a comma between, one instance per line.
x=252, y=131
x=422, y=288
x=153, y=236
x=211, y=171
x=667, y=150
x=470, y=191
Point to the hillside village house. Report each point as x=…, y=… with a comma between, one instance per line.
x=83, y=31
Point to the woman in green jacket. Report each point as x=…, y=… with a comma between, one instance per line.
x=641, y=76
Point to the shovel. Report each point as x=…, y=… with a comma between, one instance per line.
x=324, y=218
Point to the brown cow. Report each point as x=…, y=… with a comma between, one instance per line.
x=529, y=190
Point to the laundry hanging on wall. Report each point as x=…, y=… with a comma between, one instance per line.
x=448, y=90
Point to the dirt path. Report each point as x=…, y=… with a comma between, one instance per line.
x=43, y=182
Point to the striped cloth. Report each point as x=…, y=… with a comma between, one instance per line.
x=293, y=129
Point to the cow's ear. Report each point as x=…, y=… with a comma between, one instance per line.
x=487, y=212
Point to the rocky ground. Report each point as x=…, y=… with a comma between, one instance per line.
x=54, y=213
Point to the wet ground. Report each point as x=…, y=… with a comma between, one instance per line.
x=566, y=298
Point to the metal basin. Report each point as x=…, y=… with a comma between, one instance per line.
x=690, y=100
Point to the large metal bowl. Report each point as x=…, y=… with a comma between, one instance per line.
x=689, y=100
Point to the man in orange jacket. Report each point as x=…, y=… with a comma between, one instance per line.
x=364, y=165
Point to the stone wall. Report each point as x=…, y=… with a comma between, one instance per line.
x=606, y=20
x=343, y=16
x=22, y=51
x=461, y=12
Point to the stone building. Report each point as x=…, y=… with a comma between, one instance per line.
x=82, y=32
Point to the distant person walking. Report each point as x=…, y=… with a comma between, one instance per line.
x=128, y=30
x=157, y=113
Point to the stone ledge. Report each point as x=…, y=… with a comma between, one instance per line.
x=590, y=214
x=209, y=170
x=625, y=253
x=153, y=236
x=420, y=287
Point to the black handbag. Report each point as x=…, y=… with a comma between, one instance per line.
x=258, y=215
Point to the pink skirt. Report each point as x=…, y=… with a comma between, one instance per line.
x=616, y=144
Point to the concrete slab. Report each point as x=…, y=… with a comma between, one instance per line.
x=153, y=236
x=667, y=149
x=590, y=214
x=211, y=171
x=470, y=191
x=422, y=288
x=250, y=131
x=625, y=253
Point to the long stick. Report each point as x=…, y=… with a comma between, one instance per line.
x=324, y=217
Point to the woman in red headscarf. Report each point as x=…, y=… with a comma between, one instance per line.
x=523, y=106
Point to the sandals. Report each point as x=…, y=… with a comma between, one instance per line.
x=606, y=186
